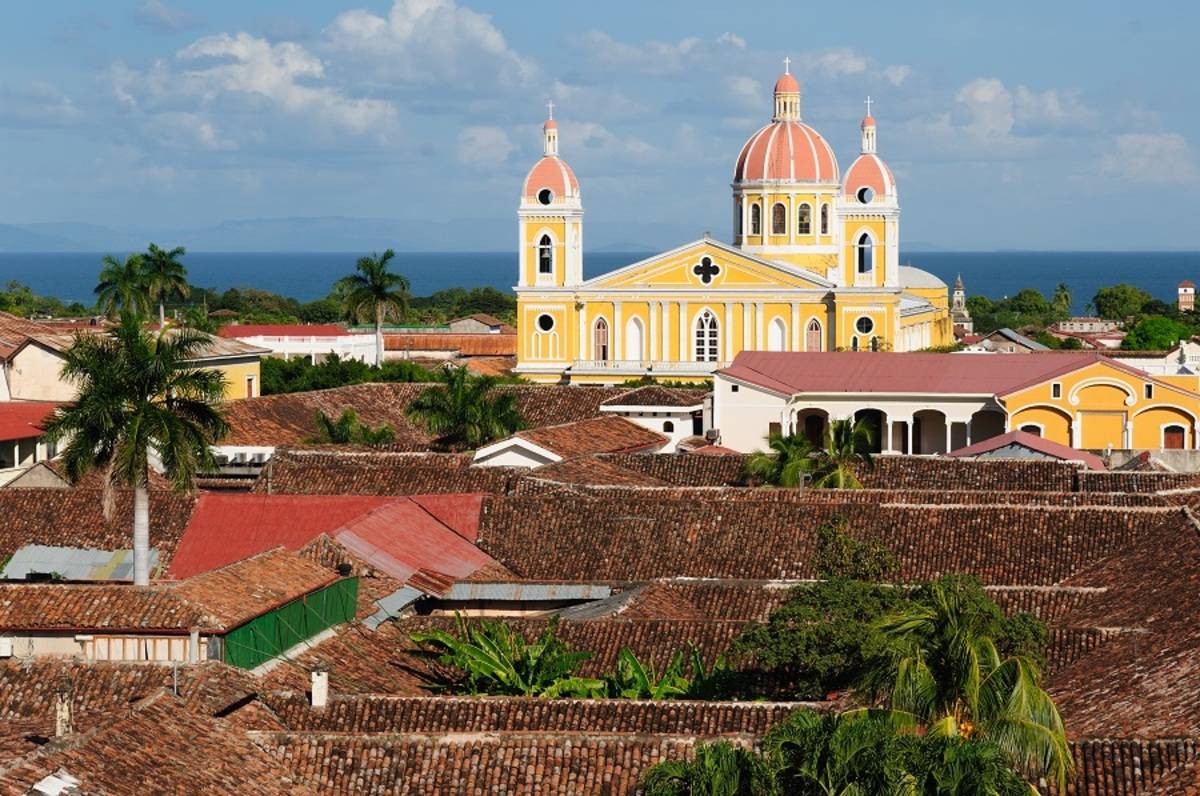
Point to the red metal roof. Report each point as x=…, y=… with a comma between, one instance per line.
x=239, y=330
x=1033, y=442
x=400, y=536
x=23, y=419
x=887, y=372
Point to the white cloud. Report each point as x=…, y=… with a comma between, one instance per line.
x=489, y=146
x=988, y=108
x=656, y=57
x=833, y=63
x=732, y=39
x=161, y=17
x=896, y=74
x=1156, y=158
x=746, y=91
x=429, y=42
x=37, y=104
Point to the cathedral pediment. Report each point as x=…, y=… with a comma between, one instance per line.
x=707, y=264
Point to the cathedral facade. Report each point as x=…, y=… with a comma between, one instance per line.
x=814, y=266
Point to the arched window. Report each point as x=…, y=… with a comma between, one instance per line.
x=634, y=340
x=804, y=220
x=825, y=219
x=865, y=254
x=545, y=251
x=813, y=336
x=668, y=426
x=854, y=343
x=756, y=219
x=776, y=335
x=779, y=219
x=600, y=340
x=708, y=338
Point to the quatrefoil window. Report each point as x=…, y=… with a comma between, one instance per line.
x=706, y=269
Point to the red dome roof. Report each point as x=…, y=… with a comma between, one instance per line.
x=788, y=151
x=550, y=125
x=553, y=173
x=786, y=84
x=869, y=171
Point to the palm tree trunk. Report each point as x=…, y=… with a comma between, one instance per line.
x=141, y=535
x=162, y=316
x=379, y=336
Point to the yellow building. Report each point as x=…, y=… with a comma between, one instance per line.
x=814, y=266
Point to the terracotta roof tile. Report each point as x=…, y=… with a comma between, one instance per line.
x=321, y=472
x=485, y=344
x=609, y=434
x=655, y=395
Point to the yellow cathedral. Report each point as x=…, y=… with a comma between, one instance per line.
x=814, y=266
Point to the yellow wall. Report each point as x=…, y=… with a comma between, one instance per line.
x=1101, y=406
x=235, y=374
x=535, y=227
x=854, y=227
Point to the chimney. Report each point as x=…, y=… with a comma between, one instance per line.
x=62, y=712
x=320, y=688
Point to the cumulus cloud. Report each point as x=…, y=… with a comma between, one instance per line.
x=656, y=57
x=37, y=105
x=488, y=146
x=833, y=63
x=745, y=91
x=428, y=42
x=161, y=17
x=896, y=74
x=1155, y=158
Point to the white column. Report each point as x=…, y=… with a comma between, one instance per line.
x=791, y=225
x=949, y=426
x=795, y=327
x=912, y=436
x=885, y=444
x=683, y=332
x=759, y=342
x=666, y=331
x=727, y=332
x=1127, y=437
x=747, y=343
x=652, y=312
x=581, y=350
x=1076, y=432
x=617, y=339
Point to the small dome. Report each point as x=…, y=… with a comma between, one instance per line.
x=786, y=84
x=869, y=171
x=911, y=276
x=868, y=121
x=550, y=125
x=551, y=173
x=787, y=151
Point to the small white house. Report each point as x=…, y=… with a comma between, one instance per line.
x=549, y=444
x=312, y=341
x=676, y=414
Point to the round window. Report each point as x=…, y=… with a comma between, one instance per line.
x=864, y=325
x=545, y=323
x=545, y=196
x=865, y=195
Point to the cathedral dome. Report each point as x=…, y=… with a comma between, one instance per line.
x=789, y=151
x=869, y=171
x=553, y=174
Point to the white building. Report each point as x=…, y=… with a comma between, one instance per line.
x=312, y=341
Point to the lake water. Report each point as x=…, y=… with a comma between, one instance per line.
x=307, y=276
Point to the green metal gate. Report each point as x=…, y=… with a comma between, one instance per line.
x=270, y=635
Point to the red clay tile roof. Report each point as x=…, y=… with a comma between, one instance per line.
x=240, y=330
x=277, y=420
x=609, y=434
x=654, y=395
x=888, y=372
x=23, y=419
x=1033, y=442
x=468, y=345
x=321, y=471
x=158, y=746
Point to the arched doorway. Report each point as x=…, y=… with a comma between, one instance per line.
x=985, y=424
x=813, y=336
x=1174, y=438
x=811, y=423
x=876, y=421
x=600, y=340
x=929, y=432
x=634, y=343
x=776, y=335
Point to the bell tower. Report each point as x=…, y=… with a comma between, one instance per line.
x=550, y=218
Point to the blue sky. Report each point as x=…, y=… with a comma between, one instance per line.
x=1022, y=125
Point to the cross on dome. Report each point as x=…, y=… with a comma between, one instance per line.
x=787, y=63
x=868, y=102
x=550, y=109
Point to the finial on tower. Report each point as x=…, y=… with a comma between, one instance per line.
x=550, y=131
x=787, y=64
x=868, y=129
x=550, y=109
x=868, y=104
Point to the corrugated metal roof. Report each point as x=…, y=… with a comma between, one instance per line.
x=392, y=605
x=73, y=563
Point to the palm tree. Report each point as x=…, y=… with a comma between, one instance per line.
x=718, y=769
x=790, y=459
x=375, y=293
x=942, y=672
x=122, y=286
x=1061, y=299
x=467, y=411
x=828, y=754
x=138, y=397
x=165, y=277
x=349, y=430
x=846, y=447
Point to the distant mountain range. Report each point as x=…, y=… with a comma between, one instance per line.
x=328, y=234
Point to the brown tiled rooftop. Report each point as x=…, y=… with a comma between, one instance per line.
x=609, y=434
x=316, y=471
x=655, y=395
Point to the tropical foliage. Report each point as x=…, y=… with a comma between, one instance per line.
x=849, y=754
x=685, y=677
x=122, y=287
x=1155, y=333
x=299, y=375
x=138, y=397
x=164, y=277
x=943, y=671
x=375, y=294
x=493, y=658
x=349, y=430
x=468, y=411
x=844, y=451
